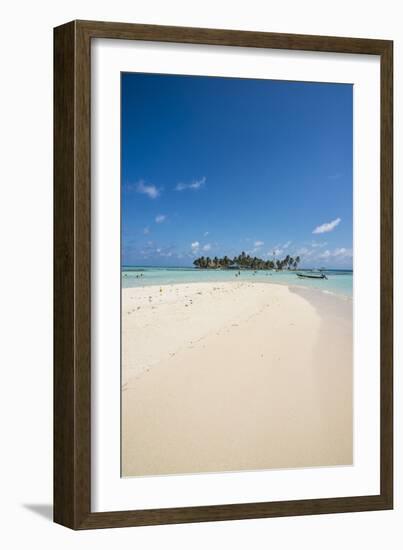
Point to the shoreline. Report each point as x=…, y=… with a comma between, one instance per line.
x=291, y=286
x=222, y=276
x=234, y=376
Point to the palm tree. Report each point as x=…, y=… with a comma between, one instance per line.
x=290, y=262
x=246, y=261
x=242, y=259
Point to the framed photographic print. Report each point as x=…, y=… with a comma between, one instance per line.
x=222, y=275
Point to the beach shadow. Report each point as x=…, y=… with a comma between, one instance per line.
x=44, y=510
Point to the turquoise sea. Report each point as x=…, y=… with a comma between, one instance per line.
x=338, y=281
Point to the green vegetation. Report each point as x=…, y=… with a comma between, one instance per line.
x=244, y=261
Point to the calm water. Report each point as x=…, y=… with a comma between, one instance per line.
x=339, y=282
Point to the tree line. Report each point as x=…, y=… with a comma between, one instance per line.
x=245, y=261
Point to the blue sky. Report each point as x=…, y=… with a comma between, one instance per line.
x=213, y=166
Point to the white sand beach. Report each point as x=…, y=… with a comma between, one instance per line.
x=234, y=376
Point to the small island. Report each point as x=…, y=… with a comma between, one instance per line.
x=245, y=261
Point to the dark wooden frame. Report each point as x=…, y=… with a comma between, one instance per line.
x=72, y=292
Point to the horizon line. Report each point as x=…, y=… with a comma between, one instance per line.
x=210, y=268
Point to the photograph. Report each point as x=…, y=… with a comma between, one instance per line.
x=236, y=274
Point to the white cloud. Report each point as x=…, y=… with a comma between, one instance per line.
x=160, y=218
x=258, y=243
x=150, y=190
x=207, y=247
x=151, y=249
x=305, y=252
x=279, y=249
x=315, y=244
x=146, y=231
x=325, y=254
x=195, y=246
x=205, y=234
x=195, y=185
x=326, y=227
x=343, y=252
x=337, y=253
